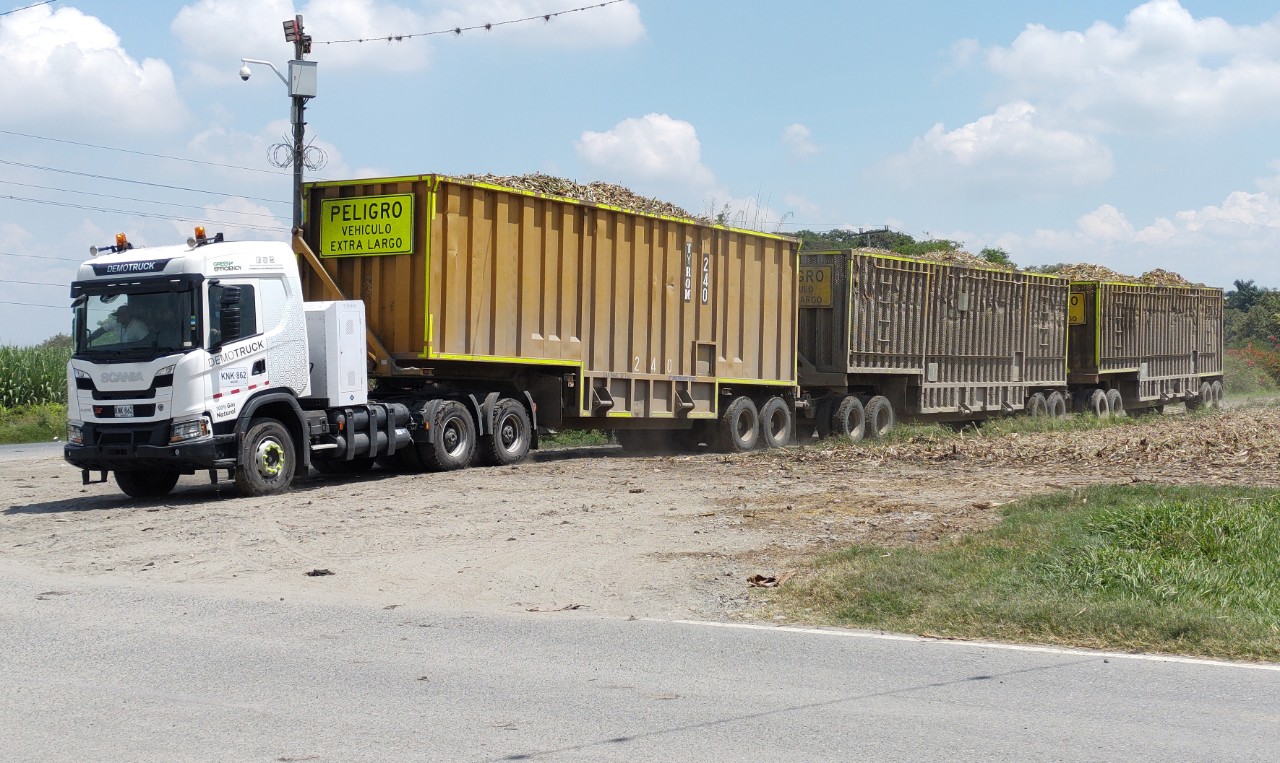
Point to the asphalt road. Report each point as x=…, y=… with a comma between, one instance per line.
x=95, y=671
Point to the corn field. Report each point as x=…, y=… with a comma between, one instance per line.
x=33, y=375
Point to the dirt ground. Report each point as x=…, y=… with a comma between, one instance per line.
x=592, y=529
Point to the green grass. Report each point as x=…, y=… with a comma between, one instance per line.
x=1240, y=378
x=1190, y=570
x=33, y=423
x=574, y=438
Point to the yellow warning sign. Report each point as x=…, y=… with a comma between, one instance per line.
x=366, y=225
x=815, y=286
x=1075, y=310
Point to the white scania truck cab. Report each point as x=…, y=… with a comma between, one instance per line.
x=205, y=357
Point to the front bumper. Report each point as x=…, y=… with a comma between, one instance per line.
x=135, y=447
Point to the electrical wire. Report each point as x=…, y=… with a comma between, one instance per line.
x=26, y=7
x=135, y=213
x=35, y=304
x=31, y=283
x=141, y=182
x=457, y=31
x=130, y=198
x=142, y=153
x=41, y=257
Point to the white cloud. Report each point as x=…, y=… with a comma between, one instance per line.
x=1106, y=223
x=655, y=147
x=1164, y=69
x=799, y=141
x=1010, y=151
x=66, y=68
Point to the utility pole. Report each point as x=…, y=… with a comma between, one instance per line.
x=302, y=86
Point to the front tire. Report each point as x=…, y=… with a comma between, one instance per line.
x=268, y=459
x=146, y=484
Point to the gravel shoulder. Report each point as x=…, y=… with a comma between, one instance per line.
x=590, y=529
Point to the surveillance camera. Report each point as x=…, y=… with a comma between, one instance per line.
x=244, y=72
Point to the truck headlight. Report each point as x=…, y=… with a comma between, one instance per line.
x=81, y=374
x=75, y=434
x=191, y=430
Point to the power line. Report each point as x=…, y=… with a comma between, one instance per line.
x=25, y=7
x=35, y=304
x=31, y=283
x=41, y=257
x=140, y=182
x=456, y=31
x=142, y=153
x=130, y=198
x=136, y=213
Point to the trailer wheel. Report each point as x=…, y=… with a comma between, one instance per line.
x=1217, y=394
x=146, y=484
x=739, y=426
x=1115, y=403
x=267, y=459
x=1093, y=401
x=775, y=423
x=880, y=418
x=1056, y=403
x=848, y=419
x=1037, y=406
x=512, y=434
x=455, y=439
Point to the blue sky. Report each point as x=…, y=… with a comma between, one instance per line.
x=1134, y=135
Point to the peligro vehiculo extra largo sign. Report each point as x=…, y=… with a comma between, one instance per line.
x=366, y=225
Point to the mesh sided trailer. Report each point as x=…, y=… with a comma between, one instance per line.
x=606, y=316
x=1154, y=344
x=941, y=341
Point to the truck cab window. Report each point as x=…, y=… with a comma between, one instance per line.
x=233, y=313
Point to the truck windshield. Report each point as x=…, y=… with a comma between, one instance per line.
x=136, y=323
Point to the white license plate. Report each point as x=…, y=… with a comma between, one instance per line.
x=124, y=411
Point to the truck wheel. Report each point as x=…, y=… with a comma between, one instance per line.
x=1115, y=403
x=1037, y=407
x=739, y=426
x=848, y=419
x=455, y=439
x=267, y=459
x=146, y=484
x=1217, y=394
x=880, y=418
x=1056, y=403
x=512, y=434
x=775, y=423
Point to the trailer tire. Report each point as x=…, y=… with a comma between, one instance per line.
x=775, y=423
x=1115, y=403
x=1216, y=386
x=848, y=419
x=1037, y=406
x=151, y=483
x=1202, y=399
x=739, y=426
x=880, y=417
x=1056, y=403
x=268, y=459
x=512, y=434
x=454, y=440
x=1092, y=402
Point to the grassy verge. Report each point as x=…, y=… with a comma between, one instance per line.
x=1189, y=570
x=574, y=438
x=33, y=423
